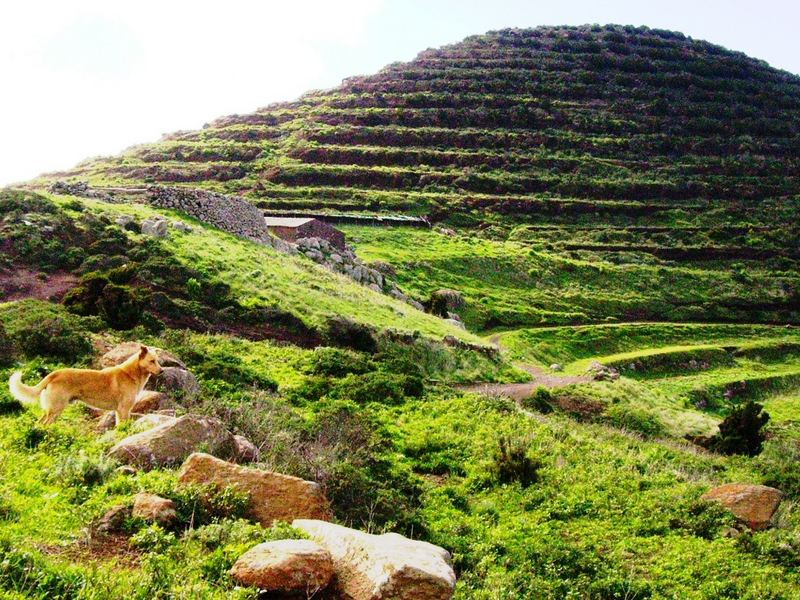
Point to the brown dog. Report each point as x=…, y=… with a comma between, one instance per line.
x=113, y=388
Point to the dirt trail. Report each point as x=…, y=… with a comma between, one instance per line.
x=520, y=391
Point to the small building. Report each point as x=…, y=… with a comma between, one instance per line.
x=292, y=229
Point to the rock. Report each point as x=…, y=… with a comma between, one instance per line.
x=125, y=470
x=151, y=420
x=285, y=566
x=455, y=323
x=375, y=287
x=112, y=521
x=122, y=352
x=151, y=507
x=244, y=449
x=106, y=422
x=155, y=227
x=272, y=495
x=754, y=505
x=177, y=382
x=124, y=220
x=556, y=367
x=601, y=372
x=151, y=401
x=171, y=442
x=181, y=226
x=371, y=567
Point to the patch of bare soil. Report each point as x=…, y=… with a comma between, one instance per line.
x=20, y=283
x=101, y=548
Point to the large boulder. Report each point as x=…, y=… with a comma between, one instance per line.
x=273, y=496
x=286, y=566
x=155, y=227
x=171, y=442
x=151, y=507
x=122, y=352
x=754, y=505
x=374, y=567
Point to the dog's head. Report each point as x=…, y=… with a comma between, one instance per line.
x=148, y=361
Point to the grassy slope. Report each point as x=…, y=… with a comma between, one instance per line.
x=508, y=284
x=268, y=278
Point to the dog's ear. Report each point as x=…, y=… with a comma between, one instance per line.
x=143, y=352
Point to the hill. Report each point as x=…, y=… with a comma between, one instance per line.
x=644, y=153
x=614, y=220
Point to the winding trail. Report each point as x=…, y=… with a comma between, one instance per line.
x=520, y=391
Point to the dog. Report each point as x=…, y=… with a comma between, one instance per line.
x=113, y=388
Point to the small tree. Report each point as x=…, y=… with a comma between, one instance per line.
x=741, y=431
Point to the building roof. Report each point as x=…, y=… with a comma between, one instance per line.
x=286, y=221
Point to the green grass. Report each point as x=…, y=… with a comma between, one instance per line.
x=510, y=285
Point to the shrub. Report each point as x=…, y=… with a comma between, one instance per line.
x=233, y=370
x=153, y=539
x=634, y=419
x=7, y=347
x=31, y=576
x=376, y=386
x=337, y=362
x=81, y=472
x=541, y=400
x=342, y=332
x=741, y=431
x=704, y=519
x=512, y=462
x=197, y=505
x=44, y=329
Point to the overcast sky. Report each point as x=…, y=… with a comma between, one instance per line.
x=90, y=77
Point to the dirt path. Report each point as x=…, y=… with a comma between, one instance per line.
x=520, y=391
x=18, y=284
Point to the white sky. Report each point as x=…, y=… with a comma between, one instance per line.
x=91, y=77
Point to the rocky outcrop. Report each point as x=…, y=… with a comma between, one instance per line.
x=170, y=443
x=753, y=505
x=285, y=566
x=375, y=567
x=82, y=189
x=151, y=507
x=273, y=496
x=601, y=372
x=346, y=262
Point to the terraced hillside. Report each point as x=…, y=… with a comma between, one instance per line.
x=612, y=145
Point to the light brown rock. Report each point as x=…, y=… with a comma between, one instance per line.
x=151, y=401
x=151, y=507
x=171, y=442
x=388, y=566
x=754, y=505
x=272, y=495
x=285, y=566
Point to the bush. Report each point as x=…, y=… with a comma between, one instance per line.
x=541, y=400
x=337, y=362
x=31, y=576
x=342, y=332
x=7, y=347
x=153, y=539
x=634, y=419
x=376, y=386
x=704, y=519
x=741, y=431
x=197, y=505
x=512, y=463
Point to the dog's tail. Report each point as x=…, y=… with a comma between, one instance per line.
x=25, y=393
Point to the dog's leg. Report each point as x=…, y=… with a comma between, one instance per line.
x=53, y=405
x=123, y=411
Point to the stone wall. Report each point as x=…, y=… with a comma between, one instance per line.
x=228, y=213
